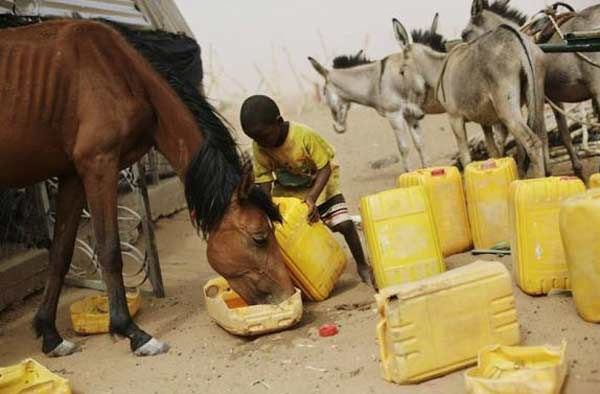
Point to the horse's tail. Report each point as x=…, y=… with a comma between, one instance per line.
x=532, y=93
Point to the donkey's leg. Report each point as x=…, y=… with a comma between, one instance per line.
x=532, y=144
x=565, y=135
x=100, y=181
x=400, y=125
x=70, y=203
x=457, y=124
x=490, y=142
x=415, y=131
x=501, y=133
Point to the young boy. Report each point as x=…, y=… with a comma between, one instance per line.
x=292, y=160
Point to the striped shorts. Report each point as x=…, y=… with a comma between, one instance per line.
x=334, y=211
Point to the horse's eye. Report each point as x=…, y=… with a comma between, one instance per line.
x=260, y=239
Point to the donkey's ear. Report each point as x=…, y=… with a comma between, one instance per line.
x=320, y=69
x=402, y=36
x=434, y=24
x=247, y=176
x=502, y=3
x=360, y=53
x=478, y=6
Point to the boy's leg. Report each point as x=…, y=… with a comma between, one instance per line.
x=334, y=213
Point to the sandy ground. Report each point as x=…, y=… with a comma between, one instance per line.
x=204, y=358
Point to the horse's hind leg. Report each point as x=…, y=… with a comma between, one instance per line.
x=565, y=135
x=71, y=200
x=100, y=181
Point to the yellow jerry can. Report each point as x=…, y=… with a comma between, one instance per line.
x=536, y=247
x=232, y=313
x=30, y=377
x=401, y=236
x=444, y=189
x=313, y=256
x=580, y=231
x=437, y=325
x=487, y=184
x=594, y=181
x=518, y=370
x=90, y=315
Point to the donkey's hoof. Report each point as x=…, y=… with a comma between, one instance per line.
x=152, y=348
x=64, y=348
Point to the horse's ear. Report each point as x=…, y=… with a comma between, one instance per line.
x=402, y=36
x=247, y=177
x=478, y=6
x=320, y=69
x=434, y=24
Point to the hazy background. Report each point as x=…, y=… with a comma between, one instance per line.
x=241, y=39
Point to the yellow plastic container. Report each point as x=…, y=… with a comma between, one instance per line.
x=580, y=231
x=487, y=185
x=232, y=313
x=536, y=247
x=30, y=377
x=436, y=325
x=594, y=181
x=91, y=316
x=518, y=370
x=401, y=236
x=444, y=189
x=313, y=256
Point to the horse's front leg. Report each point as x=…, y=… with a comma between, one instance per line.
x=100, y=176
x=70, y=203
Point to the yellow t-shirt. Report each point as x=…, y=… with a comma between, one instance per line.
x=294, y=164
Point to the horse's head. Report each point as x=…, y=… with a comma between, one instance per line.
x=243, y=249
x=486, y=17
x=236, y=217
x=334, y=97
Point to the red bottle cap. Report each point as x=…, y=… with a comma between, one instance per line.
x=438, y=172
x=488, y=164
x=328, y=330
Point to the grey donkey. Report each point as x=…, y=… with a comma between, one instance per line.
x=569, y=77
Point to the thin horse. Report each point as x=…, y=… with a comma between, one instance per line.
x=81, y=100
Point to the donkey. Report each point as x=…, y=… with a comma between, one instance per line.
x=377, y=84
x=476, y=82
x=569, y=77
x=68, y=109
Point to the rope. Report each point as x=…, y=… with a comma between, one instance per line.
x=440, y=83
x=573, y=118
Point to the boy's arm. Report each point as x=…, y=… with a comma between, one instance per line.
x=321, y=179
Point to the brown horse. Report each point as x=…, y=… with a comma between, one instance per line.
x=79, y=102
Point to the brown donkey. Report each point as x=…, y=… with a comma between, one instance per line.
x=79, y=102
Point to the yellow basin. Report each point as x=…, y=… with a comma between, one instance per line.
x=30, y=377
x=90, y=315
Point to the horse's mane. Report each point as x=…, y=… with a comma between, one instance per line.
x=435, y=41
x=215, y=172
x=505, y=10
x=349, y=61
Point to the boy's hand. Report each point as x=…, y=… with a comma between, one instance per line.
x=313, y=212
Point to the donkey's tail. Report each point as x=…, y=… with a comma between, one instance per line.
x=532, y=93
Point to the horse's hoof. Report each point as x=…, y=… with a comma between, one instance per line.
x=64, y=348
x=152, y=348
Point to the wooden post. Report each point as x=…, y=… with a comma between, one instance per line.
x=154, y=272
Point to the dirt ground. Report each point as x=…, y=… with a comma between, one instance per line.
x=205, y=358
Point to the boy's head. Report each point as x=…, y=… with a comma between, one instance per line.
x=261, y=120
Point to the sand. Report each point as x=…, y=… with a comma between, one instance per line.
x=204, y=358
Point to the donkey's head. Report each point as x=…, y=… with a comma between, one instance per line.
x=410, y=82
x=336, y=99
x=486, y=17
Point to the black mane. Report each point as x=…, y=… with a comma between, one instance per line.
x=215, y=172
x=349, y=61
x=508, y=12
x=435, y=41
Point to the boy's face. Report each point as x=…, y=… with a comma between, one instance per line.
x=268, y=136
